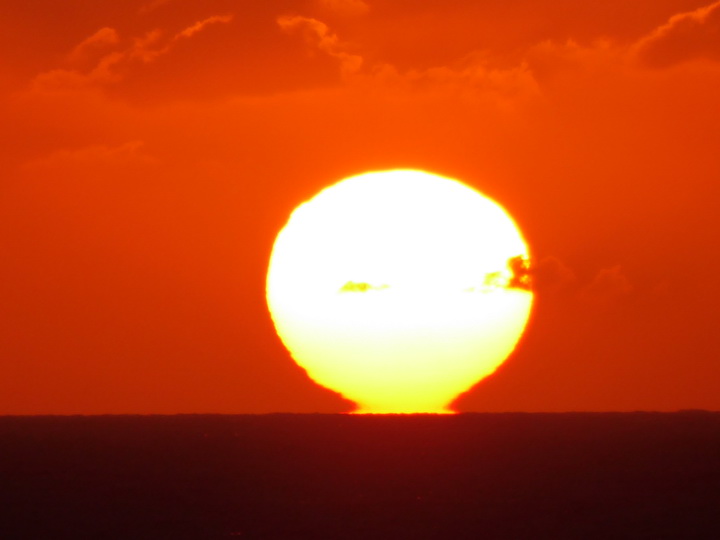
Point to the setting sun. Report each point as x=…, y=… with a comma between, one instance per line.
x=396, y=289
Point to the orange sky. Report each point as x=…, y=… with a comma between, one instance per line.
x=151, y=150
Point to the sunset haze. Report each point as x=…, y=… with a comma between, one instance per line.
x=152, y=151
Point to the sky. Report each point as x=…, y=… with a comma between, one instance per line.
x=152, y=150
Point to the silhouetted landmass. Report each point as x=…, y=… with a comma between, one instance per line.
x=636, y=475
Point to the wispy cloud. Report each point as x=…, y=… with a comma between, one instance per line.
x=114, y=65
x=473, y=74
x=686, y=36
x=317, y=34
x=88, y=156
x=201, y=25
x=100, y=41
x=608, y=287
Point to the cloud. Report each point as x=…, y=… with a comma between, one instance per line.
x=550, y=60
x=114, y=66
x=608, y=286
x=129, y=153
x=686, y=36
x=473, y=75
x=59, y=80
x=348, y=8
x=88, y=48
x=201, y=25
x=148, y=49
x=317, y=34
x=551, y=275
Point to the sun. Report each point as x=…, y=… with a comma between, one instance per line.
x=399, y=289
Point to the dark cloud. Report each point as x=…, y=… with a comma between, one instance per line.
x=551, y=275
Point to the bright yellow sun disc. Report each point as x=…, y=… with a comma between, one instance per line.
x=396, y=289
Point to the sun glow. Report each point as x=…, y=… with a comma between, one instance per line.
x=398, y=289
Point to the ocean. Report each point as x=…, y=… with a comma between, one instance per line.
x=300, y=476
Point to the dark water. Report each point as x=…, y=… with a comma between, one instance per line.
x=637, y=475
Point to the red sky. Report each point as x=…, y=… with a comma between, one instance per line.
x=151, y=151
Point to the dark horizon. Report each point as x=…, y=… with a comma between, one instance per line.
x=289, y=475
x=685, y=413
